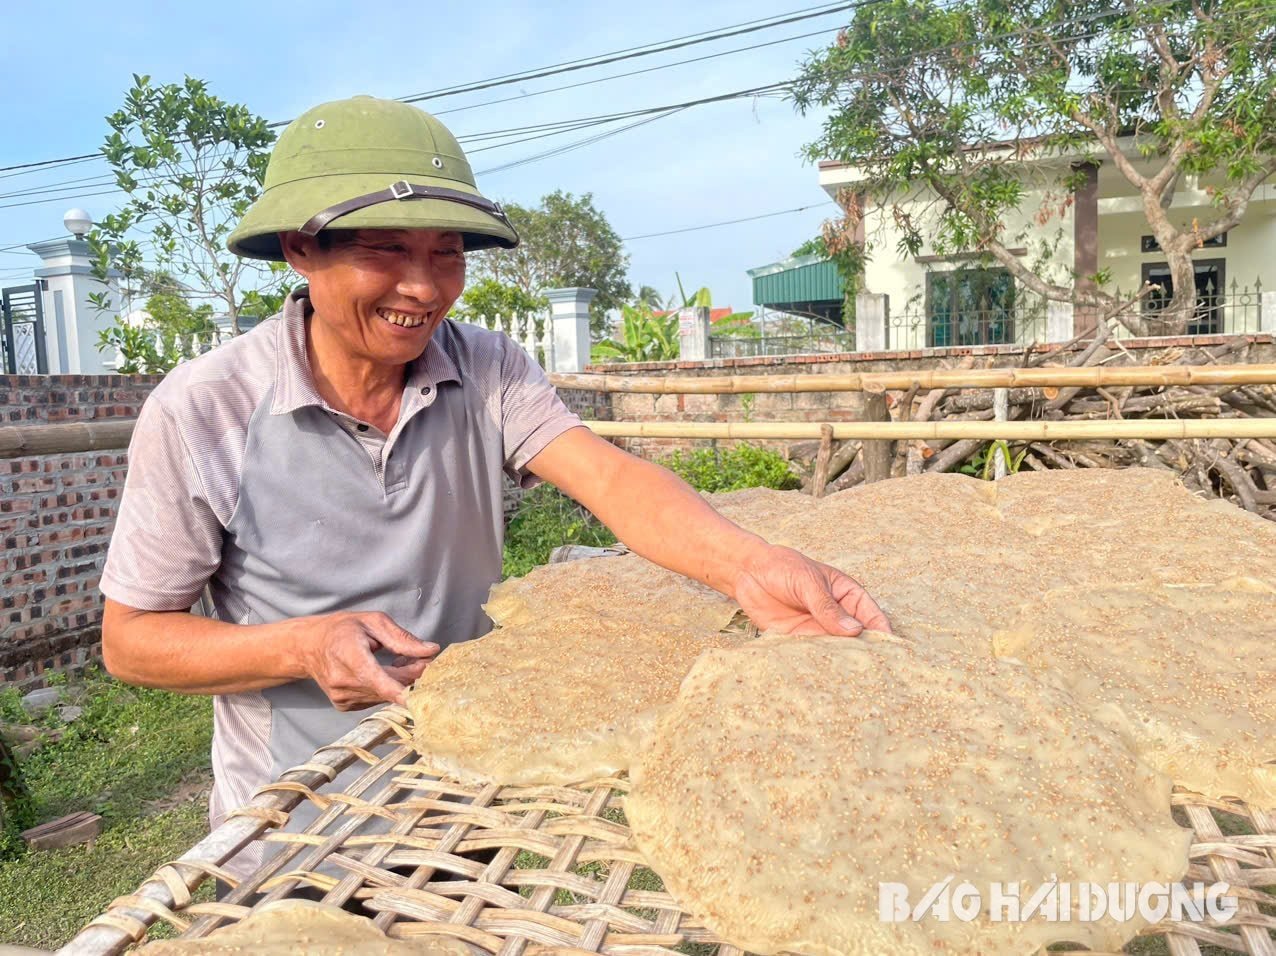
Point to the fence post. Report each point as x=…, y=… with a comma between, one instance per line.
x=71, y=321
x=569, y=312
x=872, y=311
x=1059, y=321
x=1267, y=313
x=693, y=334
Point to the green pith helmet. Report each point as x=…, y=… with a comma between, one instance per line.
x=368, y=163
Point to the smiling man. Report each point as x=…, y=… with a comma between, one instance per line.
x=334, y=477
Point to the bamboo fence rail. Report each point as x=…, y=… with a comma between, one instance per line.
x=1045, y=377
x=505, y=868
x=905, y=430
x=21, y=441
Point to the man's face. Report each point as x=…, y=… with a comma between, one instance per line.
x=381, y=292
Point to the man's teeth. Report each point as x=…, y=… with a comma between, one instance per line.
x=400, y=318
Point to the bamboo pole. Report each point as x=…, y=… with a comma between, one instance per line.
x=932, y=431
x=21, y=441
x=1082, y=377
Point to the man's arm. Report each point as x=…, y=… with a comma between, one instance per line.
x=178, y=651
x=665, y=520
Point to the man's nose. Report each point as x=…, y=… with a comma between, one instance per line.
x=419, y=282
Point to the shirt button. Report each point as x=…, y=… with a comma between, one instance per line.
x=425, y=390
x=362, y=427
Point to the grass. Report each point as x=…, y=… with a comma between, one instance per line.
x=46, y=898
x=123, y=758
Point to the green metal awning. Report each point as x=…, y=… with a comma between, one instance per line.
x=804, y=285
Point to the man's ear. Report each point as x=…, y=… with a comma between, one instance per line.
x=299, y=250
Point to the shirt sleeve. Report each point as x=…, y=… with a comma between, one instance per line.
x=167, y=540
x=532, y=414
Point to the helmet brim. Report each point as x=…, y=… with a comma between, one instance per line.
x=288, y=206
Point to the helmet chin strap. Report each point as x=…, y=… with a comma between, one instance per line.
x=402, y=191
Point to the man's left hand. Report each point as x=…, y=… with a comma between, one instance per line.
x=783, y=590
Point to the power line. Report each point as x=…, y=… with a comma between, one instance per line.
x=633, y=52
x=749, y=26
x=577, y=145
x=727, y=222
x=534, y=132
x=649, y=69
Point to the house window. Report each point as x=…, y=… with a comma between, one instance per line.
x=1210, y=275
x=970, y=307
x=1149, y=243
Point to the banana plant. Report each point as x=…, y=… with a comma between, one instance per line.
x=644, y=337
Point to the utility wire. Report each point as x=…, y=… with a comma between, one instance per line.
x=726, y=222
x=538, y=131
x=633, y=52
x=567, y=66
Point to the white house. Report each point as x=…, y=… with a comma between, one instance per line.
x=930, y=300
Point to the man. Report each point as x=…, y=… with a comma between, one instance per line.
x=334, y=476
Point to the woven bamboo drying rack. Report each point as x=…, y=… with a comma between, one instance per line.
x=421, y=879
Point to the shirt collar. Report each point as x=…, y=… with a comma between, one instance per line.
x=294, y=383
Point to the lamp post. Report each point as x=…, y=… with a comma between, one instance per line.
x=77, y=222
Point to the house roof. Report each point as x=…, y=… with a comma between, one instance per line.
x=715, y=315
x=806, y=285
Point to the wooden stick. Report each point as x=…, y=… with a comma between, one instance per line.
x=20, y=441
x=821, y=478
x=984, y=431
x=878, y=455
x=1078, y=377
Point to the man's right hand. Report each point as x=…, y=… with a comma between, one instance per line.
x=337, y=653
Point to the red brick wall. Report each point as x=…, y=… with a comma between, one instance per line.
x=56, y=515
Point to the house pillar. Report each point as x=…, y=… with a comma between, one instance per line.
x=693, y=334
x=872, y=310
x=71, y=320
x=569, y=313
x=1059, y=321
x=1085, y=242
x=1267, y=313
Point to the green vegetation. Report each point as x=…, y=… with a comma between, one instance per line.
x=129, y=749
x=546, y=518
x=743, y=466
x=984, y=461
x=643, y=336
x=47, y=897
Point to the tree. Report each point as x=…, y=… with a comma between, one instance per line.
x=191, y=164
x=171, y=331
x=565, y=242
x=946, y=102
x=649, y=296
x=507, y=308
x=487, y=301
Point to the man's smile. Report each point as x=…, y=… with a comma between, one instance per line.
x=406, y=320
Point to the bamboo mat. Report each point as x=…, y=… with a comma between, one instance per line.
x=513, y=870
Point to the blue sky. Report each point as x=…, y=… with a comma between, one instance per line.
x=707, y=164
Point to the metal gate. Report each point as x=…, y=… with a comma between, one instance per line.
x=23, y=344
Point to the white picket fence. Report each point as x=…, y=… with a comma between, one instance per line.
x=534, y=333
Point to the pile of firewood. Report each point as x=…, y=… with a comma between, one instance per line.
x=1241, y=471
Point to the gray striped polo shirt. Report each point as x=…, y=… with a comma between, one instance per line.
x=243, y=479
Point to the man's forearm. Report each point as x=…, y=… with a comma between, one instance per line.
x=178, y=651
